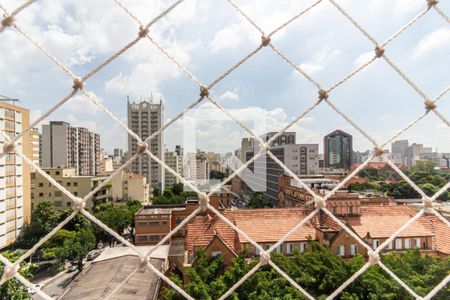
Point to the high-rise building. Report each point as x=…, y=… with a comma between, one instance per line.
x=118, y=152
x=35, y=138
x=64, y=146
x=15, y=201
x=175, y=162
x=146, y=118
x=399, y=151
x=301, y=159
x=246, y=145
x=338, y=150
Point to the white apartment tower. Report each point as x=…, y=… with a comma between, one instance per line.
x=64, y=146
x=15, y=203
x=144, y=119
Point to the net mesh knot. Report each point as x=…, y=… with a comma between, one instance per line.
x=378, y=151
x=374, y=258
x=204, y=92
x=7, y=21
x=430, y=105
x=79, y=203
x=142, y=262
x=263, y=148
x=432, y=3
x=265, y=41
x=264, y=258
x=379, y=51
x=77, y=83
x=142, y=148
x=143, y=32
x=323, y=94
x=9, y=147
x=319, y=202
x=203, y=201
x=9, y=272
x=427, y=203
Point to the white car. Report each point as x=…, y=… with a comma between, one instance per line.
x=38, y=286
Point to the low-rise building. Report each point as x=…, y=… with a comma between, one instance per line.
x=42, y=190
x=128, y=186
x=153, y=222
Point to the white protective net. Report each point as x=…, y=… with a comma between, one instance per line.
x=324, y=98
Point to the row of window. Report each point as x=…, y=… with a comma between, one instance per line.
x=41, y=184
x=56, y=194
x=148, y=237
x=400, y=244
x=151, y=223
x=287, y=248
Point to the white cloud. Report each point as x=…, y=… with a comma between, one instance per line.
x=229, y=95
x=438, y=38
x=320, y=60
x=364, y=58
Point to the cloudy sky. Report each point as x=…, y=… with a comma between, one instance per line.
x=208, y=37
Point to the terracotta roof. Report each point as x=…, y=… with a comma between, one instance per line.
x=441, y=231
x=202, y=230
x=383, y=221
x=270, y=225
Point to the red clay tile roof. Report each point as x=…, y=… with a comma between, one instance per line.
x=202, y=230
x=270, y=225
x=441, y=231
x=383, y=221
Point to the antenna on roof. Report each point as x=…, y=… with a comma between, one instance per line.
x=5, y=98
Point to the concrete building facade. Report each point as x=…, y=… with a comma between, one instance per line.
x=128, y=186
x=79, y=186
x=15, y=206
x=146, y=118
x=64, y=146
x=174, y=161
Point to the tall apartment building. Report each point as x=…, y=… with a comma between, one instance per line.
x=15, y=206
x=399, y=150
x=35, y=140
x=145, y=118
x=338, y=150
x=64, y=146
x=175, y=162
x=301, y=159
x=196, y=167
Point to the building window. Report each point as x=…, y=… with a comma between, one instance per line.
x=75, y=193
x=141, y=238
x=341, y=250
x=153, y=223
x=215, y=254
x=153, y=238
x=302, y=246
x=75, y=184
x=389, y=246
x=164, y=222
x=407, y=243
x=69, y=203
x=69, y=184
x=289, y=248
x=353, y=249
x=267, y=246
x=350, y=209
x=41, y=195
x=375, y=244
x=417, y=242
x=141, y=224
x=41, y=184
x=398, y=244
x=57, y=173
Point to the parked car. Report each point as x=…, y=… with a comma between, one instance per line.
x=38, y=286
x=72, y=268
x=93, y=255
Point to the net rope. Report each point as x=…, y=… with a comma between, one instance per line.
x=10, y=145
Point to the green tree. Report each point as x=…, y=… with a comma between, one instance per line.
x=117, y=217
x=177, y=188
x=258, y=200
x=76, y=247
x=423, y=166
x=44, y=218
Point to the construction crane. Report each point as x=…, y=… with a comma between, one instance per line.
x=5, y=98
